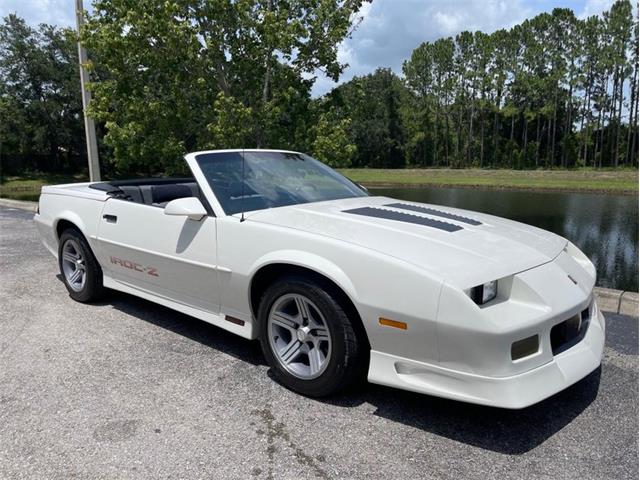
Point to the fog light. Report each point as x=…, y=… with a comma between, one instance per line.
x=525, y=347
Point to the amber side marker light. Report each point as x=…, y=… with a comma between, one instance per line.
x=392, y=323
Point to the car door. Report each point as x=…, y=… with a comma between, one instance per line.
x=170, y=256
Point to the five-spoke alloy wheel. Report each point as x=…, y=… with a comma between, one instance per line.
x=308, y=338
x=73, y=266
x=80, y=270
x=299, y=336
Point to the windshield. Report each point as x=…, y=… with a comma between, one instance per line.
x=271, y=179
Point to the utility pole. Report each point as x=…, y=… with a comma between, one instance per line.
x=89, y=125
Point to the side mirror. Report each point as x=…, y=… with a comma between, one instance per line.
x=187, y=207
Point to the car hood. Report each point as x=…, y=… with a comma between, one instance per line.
x=462, y=247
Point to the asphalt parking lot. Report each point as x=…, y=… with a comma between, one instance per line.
x=129, y=389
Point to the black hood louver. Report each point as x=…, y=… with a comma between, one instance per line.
x=435, y=213
x=403, y=217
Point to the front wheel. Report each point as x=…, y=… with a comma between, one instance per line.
x=307, y=338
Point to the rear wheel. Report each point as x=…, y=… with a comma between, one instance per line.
x=80, y=270
x=307, y=337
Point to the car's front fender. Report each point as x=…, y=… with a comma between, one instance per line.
x=310, y=261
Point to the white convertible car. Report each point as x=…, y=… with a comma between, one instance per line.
x=337, y=284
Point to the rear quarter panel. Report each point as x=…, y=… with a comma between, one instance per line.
x=83, y=212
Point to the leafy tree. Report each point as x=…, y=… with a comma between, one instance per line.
x=232, y=126
x=373, y=104
x=331, y=144
x=40, y=103
x=165, y=65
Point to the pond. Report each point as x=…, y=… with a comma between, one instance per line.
x=604, y=227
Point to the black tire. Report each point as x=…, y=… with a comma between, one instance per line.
x=346, y=361
x=92, y=288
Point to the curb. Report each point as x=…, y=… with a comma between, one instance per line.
x=609, y=300
x=21, y=204
x=617, y=301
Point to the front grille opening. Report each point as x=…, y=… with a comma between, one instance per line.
x=568, y=333
x=525, y=347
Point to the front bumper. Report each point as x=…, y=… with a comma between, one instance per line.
x=515, y=391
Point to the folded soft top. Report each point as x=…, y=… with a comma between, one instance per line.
x=113, y=186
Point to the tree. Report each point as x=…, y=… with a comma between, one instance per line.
x=373, y=105
x=619, y=23
x=40, y=103
x=551, y=91
x=164, y=65
x=331, y=144
x=418, y=72
x=177, y=76
x=233, y=124
x=632, y=134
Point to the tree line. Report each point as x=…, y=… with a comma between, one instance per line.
x=172, y=77
x=554, y=91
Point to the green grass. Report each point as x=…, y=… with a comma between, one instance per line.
x=581, y=180
x=27, y=187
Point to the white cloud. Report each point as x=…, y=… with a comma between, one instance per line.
x=595, y=7
x=391, y=29
x=54, y=12
x=448, y=23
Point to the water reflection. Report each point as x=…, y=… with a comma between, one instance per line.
x=605, y=227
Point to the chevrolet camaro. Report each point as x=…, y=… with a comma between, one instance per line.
x=338, y=284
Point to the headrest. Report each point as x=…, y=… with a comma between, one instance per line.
x=166, y=193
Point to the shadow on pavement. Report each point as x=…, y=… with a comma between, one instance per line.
x=512, y=432
x=187, y=326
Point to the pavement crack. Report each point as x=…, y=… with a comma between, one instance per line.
x=277, y=431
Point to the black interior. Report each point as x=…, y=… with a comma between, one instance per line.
x=154, y=192
x=159, y=195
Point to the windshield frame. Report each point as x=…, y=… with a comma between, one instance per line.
x=195, y=161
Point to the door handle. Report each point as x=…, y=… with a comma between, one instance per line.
x=110, y=218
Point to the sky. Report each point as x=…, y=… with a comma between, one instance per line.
x=388, y=32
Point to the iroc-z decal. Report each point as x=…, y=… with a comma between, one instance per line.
x=134, y=266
